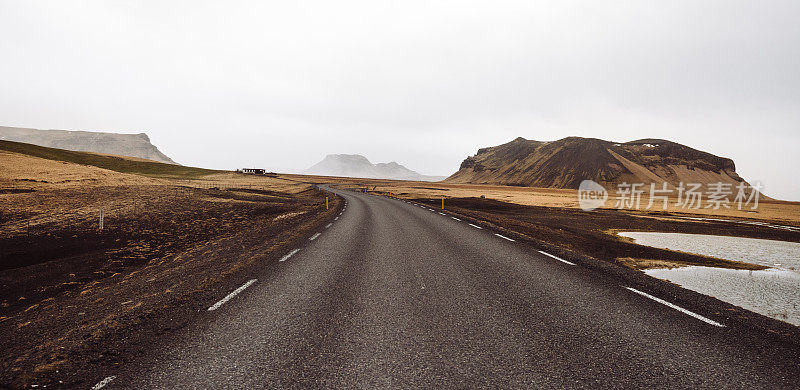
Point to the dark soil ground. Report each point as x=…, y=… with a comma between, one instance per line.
x=73, y=299
x=591, y=232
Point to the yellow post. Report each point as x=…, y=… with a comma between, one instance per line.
x=443, y=203
x=326, y=203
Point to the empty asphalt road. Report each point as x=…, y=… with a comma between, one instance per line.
x=395, y=295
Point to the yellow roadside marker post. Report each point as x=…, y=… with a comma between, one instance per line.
x=443, y=203
x=326, y=203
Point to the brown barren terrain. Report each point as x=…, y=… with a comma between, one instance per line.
x=72, y=296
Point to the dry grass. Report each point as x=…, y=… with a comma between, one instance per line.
x=238, y=180
x=642, y=264
x=20, y=171
x=106, y=161
x=649, y=263
x=23, y=172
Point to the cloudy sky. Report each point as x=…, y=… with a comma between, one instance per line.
x=279, y=84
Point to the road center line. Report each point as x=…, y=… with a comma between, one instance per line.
x=557, y=258
x=502, y=236
x=314, y=237
x=678, y=308
x=104, y=382
x=475, y=226
x=288, y=255
x=231, y=295
x=328, y=225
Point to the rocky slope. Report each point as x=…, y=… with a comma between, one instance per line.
x=354, y=165
x=568, y=161
x=132, y=145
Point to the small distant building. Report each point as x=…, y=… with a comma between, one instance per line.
x=253, y=171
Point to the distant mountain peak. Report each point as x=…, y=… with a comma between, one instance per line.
x=356, y=165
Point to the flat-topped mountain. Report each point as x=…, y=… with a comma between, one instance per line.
x=132, y=145
x=568, y=161
x=355, y=165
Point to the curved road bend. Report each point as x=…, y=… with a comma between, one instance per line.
x=396, y=295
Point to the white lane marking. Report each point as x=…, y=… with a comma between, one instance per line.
x=455, y=218
x=231, y=295
x=557, y=258
x=288, y=255
x=443, y=213
x=678, y=308
x=336, y=219
x=314, y=237
x=104, y=382
x=502, y=236
x=328, y=225
x=475, y=226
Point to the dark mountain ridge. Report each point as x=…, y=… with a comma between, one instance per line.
x=566, y=162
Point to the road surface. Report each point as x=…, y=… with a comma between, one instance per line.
x=395, y=295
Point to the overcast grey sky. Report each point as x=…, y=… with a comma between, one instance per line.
x=279, y=84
